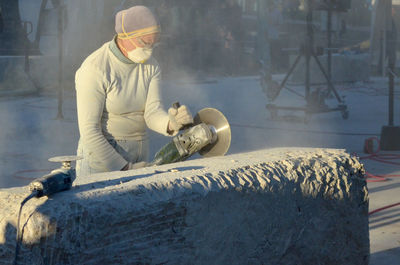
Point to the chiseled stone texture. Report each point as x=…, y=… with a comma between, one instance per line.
x=277, y=206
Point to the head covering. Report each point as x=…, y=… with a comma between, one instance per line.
x=134, y=22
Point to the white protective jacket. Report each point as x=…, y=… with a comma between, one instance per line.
x=116, y=99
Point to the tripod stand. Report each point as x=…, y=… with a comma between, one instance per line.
x=315, y=100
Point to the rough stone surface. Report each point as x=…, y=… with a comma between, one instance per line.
x=277, y=206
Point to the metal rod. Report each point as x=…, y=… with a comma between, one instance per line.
x=391, y=92
x=290, y=72
x=26, y=66
x=328, y=80
x=40, y=22
x=329, y=32
x=309, y=46
x=307, y=84
x=384, y=52
x=60, y=61
x=294, y=92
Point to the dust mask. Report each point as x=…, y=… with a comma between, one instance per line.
x=140, y=55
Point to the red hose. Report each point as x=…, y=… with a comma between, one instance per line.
x=383, y=208
x=375, y=178
x=382, y=158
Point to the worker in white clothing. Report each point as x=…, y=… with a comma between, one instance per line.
x=118, y=94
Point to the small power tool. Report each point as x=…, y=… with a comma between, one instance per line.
x=210, y=135
x=58, y=180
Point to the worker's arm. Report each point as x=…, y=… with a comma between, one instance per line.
x=91, y=94
x=155, y=116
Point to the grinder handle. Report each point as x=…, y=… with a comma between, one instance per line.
x=176, y=105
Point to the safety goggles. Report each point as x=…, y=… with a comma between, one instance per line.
x=147, y=45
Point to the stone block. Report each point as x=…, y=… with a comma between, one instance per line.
x=277, y=206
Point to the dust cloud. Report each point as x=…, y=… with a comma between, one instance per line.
x=212, y=54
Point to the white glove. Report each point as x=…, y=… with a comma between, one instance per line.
x=137, y=165
x=179, y=117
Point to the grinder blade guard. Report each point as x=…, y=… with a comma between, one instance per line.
x=210, y=135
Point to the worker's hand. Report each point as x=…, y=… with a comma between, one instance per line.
x=178, y=118
x=131, y=165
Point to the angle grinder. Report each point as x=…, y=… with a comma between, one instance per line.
x=58, y=180
x=209, y=135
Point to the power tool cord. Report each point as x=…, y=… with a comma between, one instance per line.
x=19, y=234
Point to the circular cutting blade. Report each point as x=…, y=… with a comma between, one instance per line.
x=64, y=158
x=215, y=118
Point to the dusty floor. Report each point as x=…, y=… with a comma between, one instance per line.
x=30, y=134
x=384, y=225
